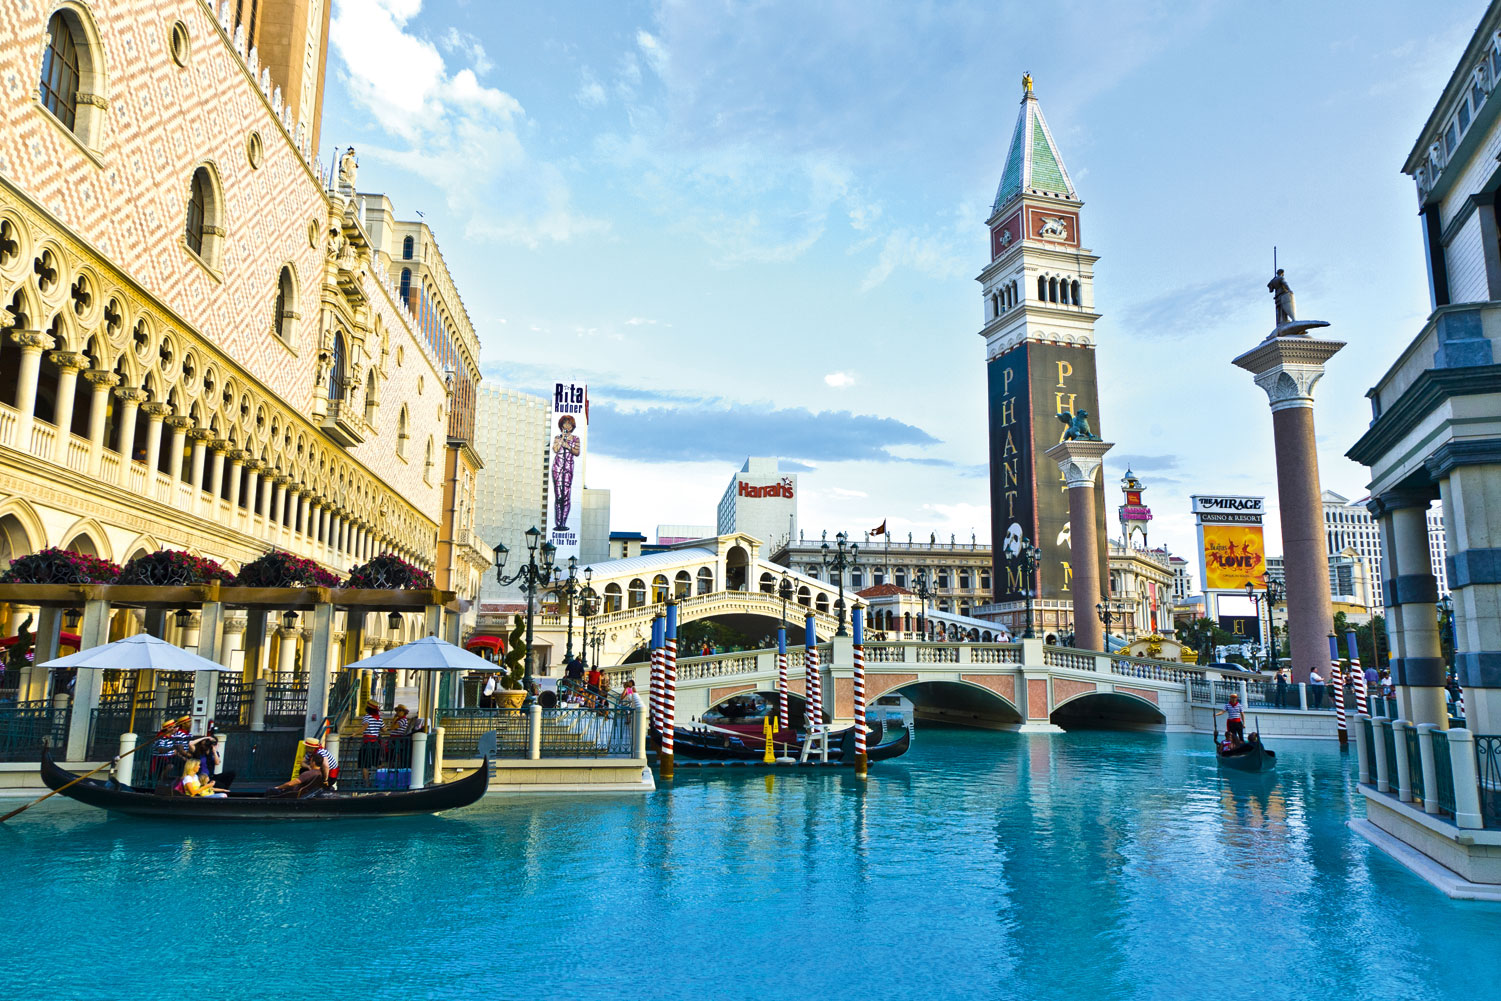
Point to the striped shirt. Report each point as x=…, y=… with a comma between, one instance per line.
x=372, y=725
x=1233, y=710
x=329, y=760
x=170, y=743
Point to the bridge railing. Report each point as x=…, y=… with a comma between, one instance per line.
x=688, y=604
x=1120, y=665
x=917, y=652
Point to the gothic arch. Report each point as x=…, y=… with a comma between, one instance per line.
x=19, y=523
x=92, y=530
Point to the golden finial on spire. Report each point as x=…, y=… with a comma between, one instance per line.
x=1027, y=83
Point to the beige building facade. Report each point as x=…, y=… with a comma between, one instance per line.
x=201, y=346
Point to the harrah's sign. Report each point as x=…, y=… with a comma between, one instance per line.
x=781, y=489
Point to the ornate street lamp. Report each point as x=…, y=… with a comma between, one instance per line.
x=532, y=577
x=1108, y=612
x=845, y=555
x=1030, y=558
x=567, y=591
x=588, y=605
x=924, y=592
x=784, y=591
x=1445, y=606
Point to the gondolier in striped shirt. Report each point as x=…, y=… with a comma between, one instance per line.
x=370, y=750
x=1235, y=721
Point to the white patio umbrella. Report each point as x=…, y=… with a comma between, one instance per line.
x=142, y=652
x=426, y=654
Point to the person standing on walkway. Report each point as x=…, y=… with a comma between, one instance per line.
x=1315, y=688
x=1280, y=699
x=370, y=728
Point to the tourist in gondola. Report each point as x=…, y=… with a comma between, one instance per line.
x=206, y=751
x=370, y=742
x=313, y=775
x=169, y=749
x=194, y=783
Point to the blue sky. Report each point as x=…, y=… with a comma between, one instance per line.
x=754, y=228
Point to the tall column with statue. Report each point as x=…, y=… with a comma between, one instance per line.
x=1079, y=457
x=1287, y=364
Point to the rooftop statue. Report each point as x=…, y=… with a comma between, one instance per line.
x=1078, y=426
x=1282, y=295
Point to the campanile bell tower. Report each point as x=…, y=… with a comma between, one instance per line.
x=1038, y=292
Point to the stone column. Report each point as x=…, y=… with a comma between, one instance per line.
x=252, y=485
x=179, y=426
x=236, y=471
x=1410, y=592
x=130, y=399
x=278, y=487
x=1080, y=461
x=32, y=344
x=286, y=503
x=216, y=474
x=1287, y=368
x=68, y=365
x=101, y=383
x=1468, y=481
x=319, y=669
x=155, y=414
x=286, y=650
x=234, y=633
x=201, y=438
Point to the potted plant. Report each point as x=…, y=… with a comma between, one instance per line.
x=60, y=566
x=513, y=694
x=173, y=568
x=389, y=572
x=282, y=569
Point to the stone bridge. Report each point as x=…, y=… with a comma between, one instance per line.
x=1025, y=686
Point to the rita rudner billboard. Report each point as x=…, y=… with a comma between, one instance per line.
x=570, y=439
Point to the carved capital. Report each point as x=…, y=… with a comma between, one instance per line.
x=156, y=411
x=127, y=394
x=234, y=625
x=1079, y=461
x=32, y=341
x=220, y=445
x=101, y=378
x=236, y=454
x=179, y=423
x=1288, y=368
x=201, y=436
x=68, y=361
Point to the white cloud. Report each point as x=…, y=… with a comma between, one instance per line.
x=448, y=127
x=591, y=94
x=653, y=51
x=839, y=380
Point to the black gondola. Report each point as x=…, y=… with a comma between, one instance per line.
x=884, y=740
x=1250, y=756
x=110, y=795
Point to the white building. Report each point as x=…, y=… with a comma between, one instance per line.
x=671, y=535
x=1183, y=581
x=511, y=436
x=594, y=527
x=1349, y=526
x=760, y=501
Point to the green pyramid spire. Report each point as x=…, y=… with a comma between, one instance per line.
x=1032, y=161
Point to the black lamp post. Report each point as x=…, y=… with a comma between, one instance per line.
x=844, y=555
x=567, y=591
x=532, y=577
x=588, y=605
x=1108, y=611
x=1030, y=557
x=784, y=591
x=1445, y=607
x=924, y=592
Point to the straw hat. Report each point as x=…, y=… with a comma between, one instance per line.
x=401, y=708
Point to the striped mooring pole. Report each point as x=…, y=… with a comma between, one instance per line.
x=1358, y=676
x=1337, y=686
x=862, y=763
x=782, y=715
x=657, y=632
x=812, y=683
x=669, y=690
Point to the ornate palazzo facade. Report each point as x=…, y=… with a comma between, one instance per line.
x=201, y=346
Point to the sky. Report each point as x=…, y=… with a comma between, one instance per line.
x=753, y=228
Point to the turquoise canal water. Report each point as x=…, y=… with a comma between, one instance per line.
x=986, y=865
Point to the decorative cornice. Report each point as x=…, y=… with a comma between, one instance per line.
x=1417, y=401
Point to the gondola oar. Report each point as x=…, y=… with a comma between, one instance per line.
x=113, y=761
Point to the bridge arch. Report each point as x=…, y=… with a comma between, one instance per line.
x=964, y=701
x=1100, y=709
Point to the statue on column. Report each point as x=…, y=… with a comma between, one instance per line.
x=348, y=167
x=1282, y=295
x=1078, y=426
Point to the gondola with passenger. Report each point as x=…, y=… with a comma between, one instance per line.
x=884, y=739
x=107, y=794
x=1249, y=755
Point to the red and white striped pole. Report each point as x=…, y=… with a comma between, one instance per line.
x=669, y=690
x=656, y=674
x=862, y=763
x=1337, y=686
x=813, y=683
x=1358, y=676
x=782, y=714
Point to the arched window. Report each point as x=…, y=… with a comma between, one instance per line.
x=406, y=251
x=401, y=432
x=336, y=375
x=659, y=589
x=59, y=87
x=372, y=396
x=637, y=593
x=612, y=597
x=1052, y=290
x=821, y=602
x=964, y=580
x=682, y=584
x=1074, y=293
x=406, y=287
x=427, y=468
x=804, y=595
x=203, y=229
x=286, y=299
x=1042, y=289
x=197, y=206
x=706, y=580
x=768, y=584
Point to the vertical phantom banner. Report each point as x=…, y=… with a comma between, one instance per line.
x=570, y=440
x=782, y=716
x=861, y=762
x=812, y=680
x=1030, y=386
